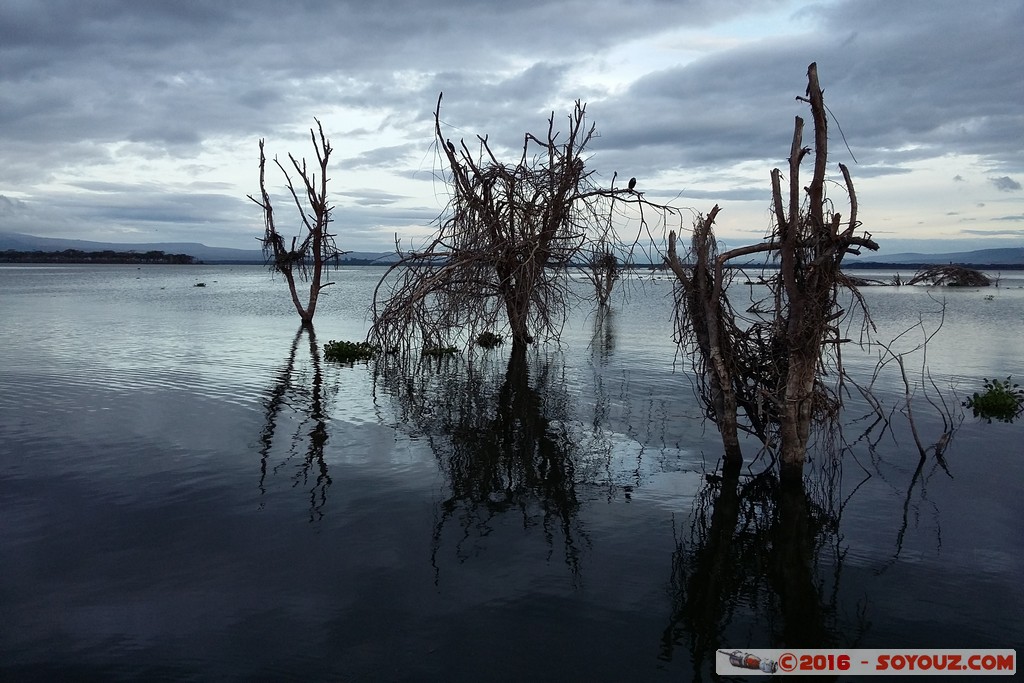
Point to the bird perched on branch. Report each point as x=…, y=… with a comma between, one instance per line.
x=632, y=184
x=451, y=147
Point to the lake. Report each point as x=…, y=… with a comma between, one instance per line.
x=190, y=492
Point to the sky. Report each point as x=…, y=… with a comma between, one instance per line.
x=139, y=120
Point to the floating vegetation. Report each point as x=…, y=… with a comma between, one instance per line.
x=439, y=351
x=489, y=340
x=1001, y=401
x=349, y=351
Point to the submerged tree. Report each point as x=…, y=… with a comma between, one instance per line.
x=506, y=239
x=764, y=374
x=311, y=252
x=602, y=270
x=951, y=275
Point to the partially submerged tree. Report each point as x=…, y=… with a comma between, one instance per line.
x=602, y=270
x=951, y=275
x=499, y=259
x=308, y=255
x=764, y=374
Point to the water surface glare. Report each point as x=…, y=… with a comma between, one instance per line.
x=190, y=492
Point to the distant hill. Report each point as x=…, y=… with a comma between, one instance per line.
x=1011, y=257
x=21, y=242
x=989, y=257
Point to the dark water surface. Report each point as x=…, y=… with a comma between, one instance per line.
x=189, y=492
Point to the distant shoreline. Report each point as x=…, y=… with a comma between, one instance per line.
x=108, y=257
x=75, y=256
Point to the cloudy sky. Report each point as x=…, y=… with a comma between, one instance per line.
x=138, y=120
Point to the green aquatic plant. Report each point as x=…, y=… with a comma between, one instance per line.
x=1002, y=401
x=439, y=351
x=349, y=351
x=489, y=340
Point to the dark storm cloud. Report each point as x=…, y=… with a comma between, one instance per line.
x=82, y=84
x=934, y=79
x=238, y=66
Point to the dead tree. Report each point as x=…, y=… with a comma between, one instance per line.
x=309, y=254
x=602, y=270
x=705, y=319
x=951, y=275
x=764, y=375
x=506, y=239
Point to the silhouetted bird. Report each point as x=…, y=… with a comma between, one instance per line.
x=451, y=147
x=632, y=183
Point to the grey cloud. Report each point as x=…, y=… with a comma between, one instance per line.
x=370, y=197
x=907, y=82
x=1005, y=184
x=380, y=157
x=739, y=194
x=877, y=171
x=996, y=232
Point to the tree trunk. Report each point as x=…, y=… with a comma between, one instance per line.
x=797, y=410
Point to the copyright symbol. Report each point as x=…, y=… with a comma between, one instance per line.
x=787, y=661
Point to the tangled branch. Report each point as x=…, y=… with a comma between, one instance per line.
x=500, y=258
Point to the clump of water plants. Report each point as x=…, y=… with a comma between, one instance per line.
x=439, y=351
x=349, y=351
x=489, y=340
x=1001, y=400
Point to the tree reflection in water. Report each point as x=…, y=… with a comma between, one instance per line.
x=502, y=442
x=298, y=399
x=760, y=568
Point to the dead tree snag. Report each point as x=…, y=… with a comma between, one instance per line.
x=505, y=241
x=764, y=374
x=309, y=254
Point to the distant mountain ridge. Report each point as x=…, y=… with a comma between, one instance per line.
x=989, y=257
x=22, y=242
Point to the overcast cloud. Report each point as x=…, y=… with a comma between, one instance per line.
x=138, y=120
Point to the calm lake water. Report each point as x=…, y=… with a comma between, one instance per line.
x=189, y=492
